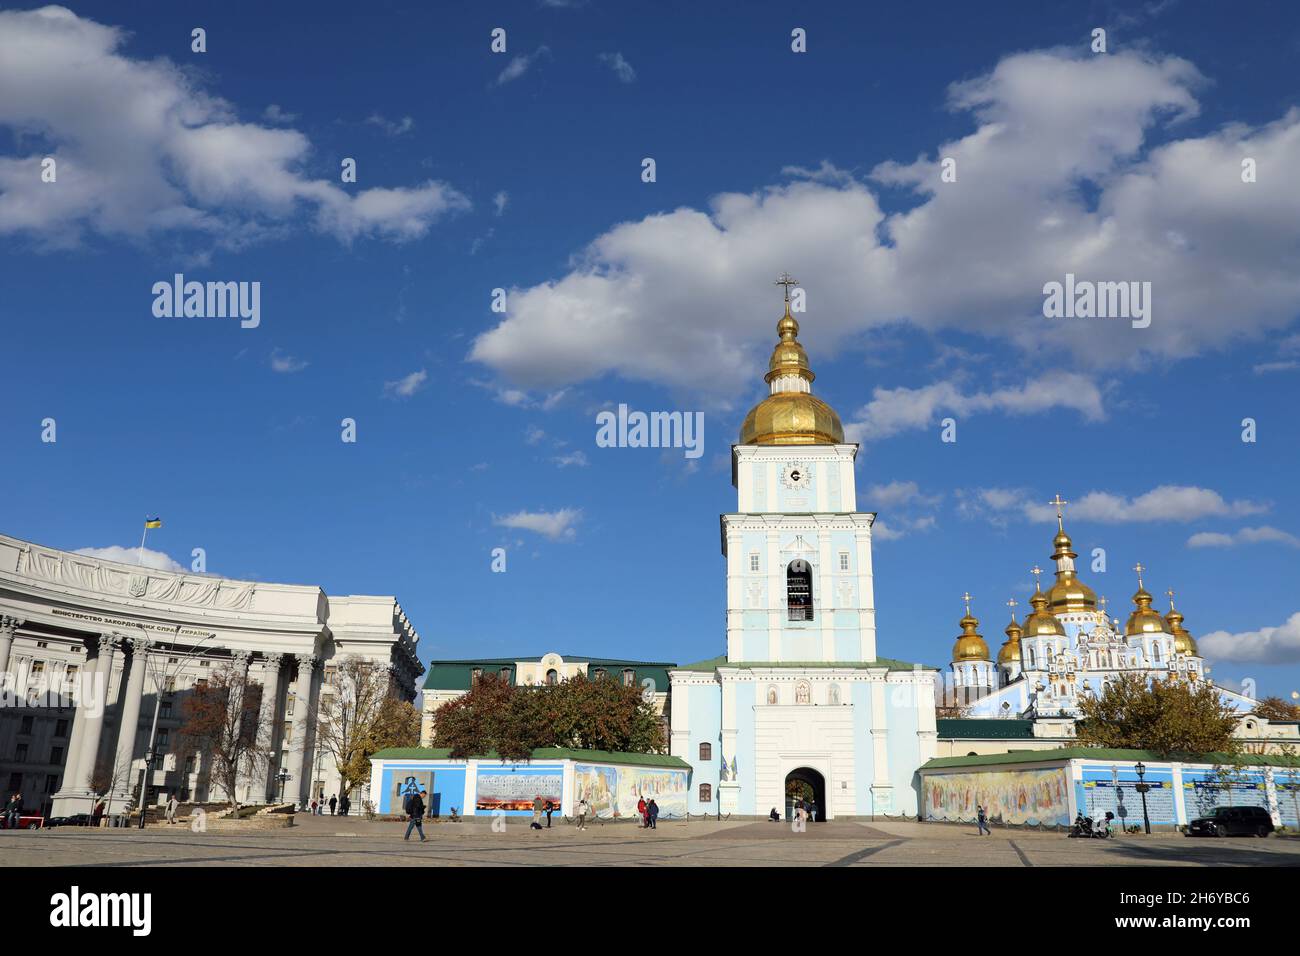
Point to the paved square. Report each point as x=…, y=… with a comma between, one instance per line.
x=336, y=841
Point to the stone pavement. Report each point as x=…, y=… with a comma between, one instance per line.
x=339, y=841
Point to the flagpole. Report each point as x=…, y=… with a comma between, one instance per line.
x=140, y=557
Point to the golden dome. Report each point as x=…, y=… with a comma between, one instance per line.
x=1010, y=652
x=791, y=415
x=970, y=645
x=1145, y=619
x=1184, y=643
x=1042, y=623
x=1068, y=593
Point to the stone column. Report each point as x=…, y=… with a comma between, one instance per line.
x=93, y=716
x=7, y=626
x=298, y=755
x=267, y=721
x=129, y=724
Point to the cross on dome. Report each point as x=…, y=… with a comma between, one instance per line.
x=967, y=598
x=1139, y=569
x=1060, y=511
x=787, y=280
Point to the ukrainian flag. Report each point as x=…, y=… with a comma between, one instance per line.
x=153, y=522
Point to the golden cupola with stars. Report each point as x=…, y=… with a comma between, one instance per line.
x=791, y=414
x=1145, y=619
x=1010, y=652
x=1041, y=622
x=1184, y=643
x=970, y=645
x=1068, y=594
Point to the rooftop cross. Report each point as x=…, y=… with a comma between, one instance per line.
x=1139, y=569
x=1036, y=571
x=787, y=280
x=1060, y=510
x=967, y=598
x=1170, y=592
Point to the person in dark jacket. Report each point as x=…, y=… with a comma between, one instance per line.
x=652, y=814
x=345, y=804
x=416, y=812
x=333, y=803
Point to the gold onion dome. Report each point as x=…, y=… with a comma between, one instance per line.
x=1010, y=653
x=1068, y=593
x=1042, y=623
x=791, y=415
x=970, y=645
x=1145, y=619
x=1184, y=643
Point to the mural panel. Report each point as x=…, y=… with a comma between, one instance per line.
x=1009, y=796
x=513, y=790
x=613, y=791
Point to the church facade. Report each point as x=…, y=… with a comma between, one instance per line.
x=801, y=703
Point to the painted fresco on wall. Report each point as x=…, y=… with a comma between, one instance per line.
x=515, y=790
x=1009, y=796
x=613, y=792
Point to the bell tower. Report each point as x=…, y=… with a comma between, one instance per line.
x=799, y=578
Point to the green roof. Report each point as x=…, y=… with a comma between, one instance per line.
x=542, y=753
x=1105, y=753
x=456, y=675
x=984, y=728
x=713, y=663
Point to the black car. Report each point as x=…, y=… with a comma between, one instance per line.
x=1233, y=821
x=76, y=820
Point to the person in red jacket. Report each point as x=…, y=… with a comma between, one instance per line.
x=641, y=812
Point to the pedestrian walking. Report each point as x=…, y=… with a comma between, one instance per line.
x=171, y=808
x=333, y=803
x=652, y=813
x=345, y=804
x=982, y=822
x=582, y=810
x=550, y=808
x=314, y=808
x=537, y=813
x=812, y=811
x=416, y=815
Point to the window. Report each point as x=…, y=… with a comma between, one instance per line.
x=70, y=674
x=15, y=782
x=189, y=764
x=51, y=782
x=26, y=726
x=42, y=643
x=165, y=709
x=169, y=687
x=706, y=793
x=754, y=564
x=56, y=755
x=844, y=560
x=332, y=676
x=160, y=740
x=629, y=677
x=288, y=705
x=798, y=590
x=599, y=672
x=475, y=675
x=706, y=751
x=288, y=732
x=552, y=677
x=20, y=753
x=505, y=674
x=38, y=668
x=60, y=728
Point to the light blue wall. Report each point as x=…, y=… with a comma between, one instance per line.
x=705, y=710
x=745, y=748
x=448, y=785
x=863, y=755
x=904, y=747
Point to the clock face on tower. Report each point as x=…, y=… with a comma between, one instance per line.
x=795, y=475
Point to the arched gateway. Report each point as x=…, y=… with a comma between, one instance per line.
x=805, y=784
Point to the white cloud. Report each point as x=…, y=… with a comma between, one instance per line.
x=1261, y=535
x=1286, y=365
x=622, y=69
x=534, y=435
x=142, y=149
x=552, y=524
x=500, y=200
x=1268, y=645
x=287, y=364
x=1173, y=503
x=574, y=458
x=520, y=65
x=147, y=558
x=407, y=385
x=274, y=114
x=897, y=493
x=1057, y=174
x=891, y=411
x=391, y=127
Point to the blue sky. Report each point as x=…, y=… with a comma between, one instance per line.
x=522, y=171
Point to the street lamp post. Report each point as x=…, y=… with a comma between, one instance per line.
x=283, y=777
x=1142, y=788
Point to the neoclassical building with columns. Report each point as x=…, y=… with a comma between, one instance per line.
x=90, y=649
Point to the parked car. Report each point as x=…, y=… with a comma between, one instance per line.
x=26, y=821
x=1233, y=821
x=76, y=820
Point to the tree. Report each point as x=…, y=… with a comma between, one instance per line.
x=1275, y=708
x=222, y=719
x=579, y=713
x=361, y=713
x=1166, y=716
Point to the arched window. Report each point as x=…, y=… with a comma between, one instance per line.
x=706, y=793
x=505, y=674
x=1029, y=656
x=629, y=677
x=798, y=590
x=474, y=674
x=706, y=751
x=599, y=672
x=771, y=695
x=1155, y=651
x=552, y=676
